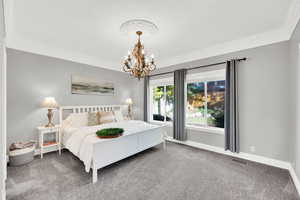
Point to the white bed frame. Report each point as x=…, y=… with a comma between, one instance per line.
x=113, y=150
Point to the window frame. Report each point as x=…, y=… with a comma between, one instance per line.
x=196, y=78
x=163, y=82
x=216, y=75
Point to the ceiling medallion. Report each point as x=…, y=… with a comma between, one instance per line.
x=130, y=27
x=137, y=62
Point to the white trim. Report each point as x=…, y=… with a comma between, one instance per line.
x=246, y=156
x=294, y=177
x=161, y=81
x=213, y=75
x=168, y=124
x=214, y=130
x=3, y=162
x=3, y=156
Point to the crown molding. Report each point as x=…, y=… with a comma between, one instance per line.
x=281, y=34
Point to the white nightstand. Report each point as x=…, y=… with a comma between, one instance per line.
x=49, y=130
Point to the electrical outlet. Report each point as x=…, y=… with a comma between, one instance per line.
x=252, y=149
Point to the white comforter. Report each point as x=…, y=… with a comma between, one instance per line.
x=80, y=141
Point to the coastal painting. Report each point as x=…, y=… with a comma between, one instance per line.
x=91, y=86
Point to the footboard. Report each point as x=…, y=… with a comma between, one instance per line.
x=113, y=150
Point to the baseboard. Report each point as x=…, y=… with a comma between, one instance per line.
x=295, y=178
x=246, y=156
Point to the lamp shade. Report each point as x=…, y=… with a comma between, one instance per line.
x=49, y=102
x=129, y=101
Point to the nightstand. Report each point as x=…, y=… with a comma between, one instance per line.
x=49, y=130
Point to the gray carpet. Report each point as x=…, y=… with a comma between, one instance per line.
x=177, y=173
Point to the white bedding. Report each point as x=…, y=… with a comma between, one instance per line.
x=80, y=141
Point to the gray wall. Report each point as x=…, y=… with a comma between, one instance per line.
x=264, y=79
x=295, y=89
x=31, y=78
x=263, y=101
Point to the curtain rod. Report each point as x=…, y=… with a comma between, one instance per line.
x=202, y=66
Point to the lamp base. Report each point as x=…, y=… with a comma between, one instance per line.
x=129, y=112
x=50, y=117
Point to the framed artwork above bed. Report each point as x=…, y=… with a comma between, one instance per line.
x=91, y=86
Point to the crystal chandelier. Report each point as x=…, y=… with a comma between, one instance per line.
x=136, y=62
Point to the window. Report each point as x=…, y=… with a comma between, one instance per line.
x=215, y=103
x=205, y=95
x=162, y=103
x=196, y=103
x=205, y=100
x=161, y=100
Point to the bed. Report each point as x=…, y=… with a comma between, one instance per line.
x=96, y=153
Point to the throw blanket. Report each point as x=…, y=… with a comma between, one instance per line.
x=81, y=141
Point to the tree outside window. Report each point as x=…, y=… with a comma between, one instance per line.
x=162, y=104
x=205, y=103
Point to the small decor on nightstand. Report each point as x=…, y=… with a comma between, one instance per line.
x=49, y=145
x=129, y=103
x=50, y=104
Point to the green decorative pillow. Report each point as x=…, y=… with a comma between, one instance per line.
x=110, y=132
x=93, y=119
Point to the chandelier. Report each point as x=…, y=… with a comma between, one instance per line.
x=137, y=63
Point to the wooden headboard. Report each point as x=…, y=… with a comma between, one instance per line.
x=84, y=109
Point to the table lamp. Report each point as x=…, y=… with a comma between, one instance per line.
x=129, y=103
x=50, y=104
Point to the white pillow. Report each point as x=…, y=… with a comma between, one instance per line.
x=77, y=120
x=118, y=116
x=66, y=123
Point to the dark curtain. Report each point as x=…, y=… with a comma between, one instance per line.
x=231, y=108
x=179, y=132
x=146, y=92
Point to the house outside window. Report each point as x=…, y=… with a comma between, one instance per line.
x=205, y=99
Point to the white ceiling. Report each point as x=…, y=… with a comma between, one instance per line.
x=87, y=31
